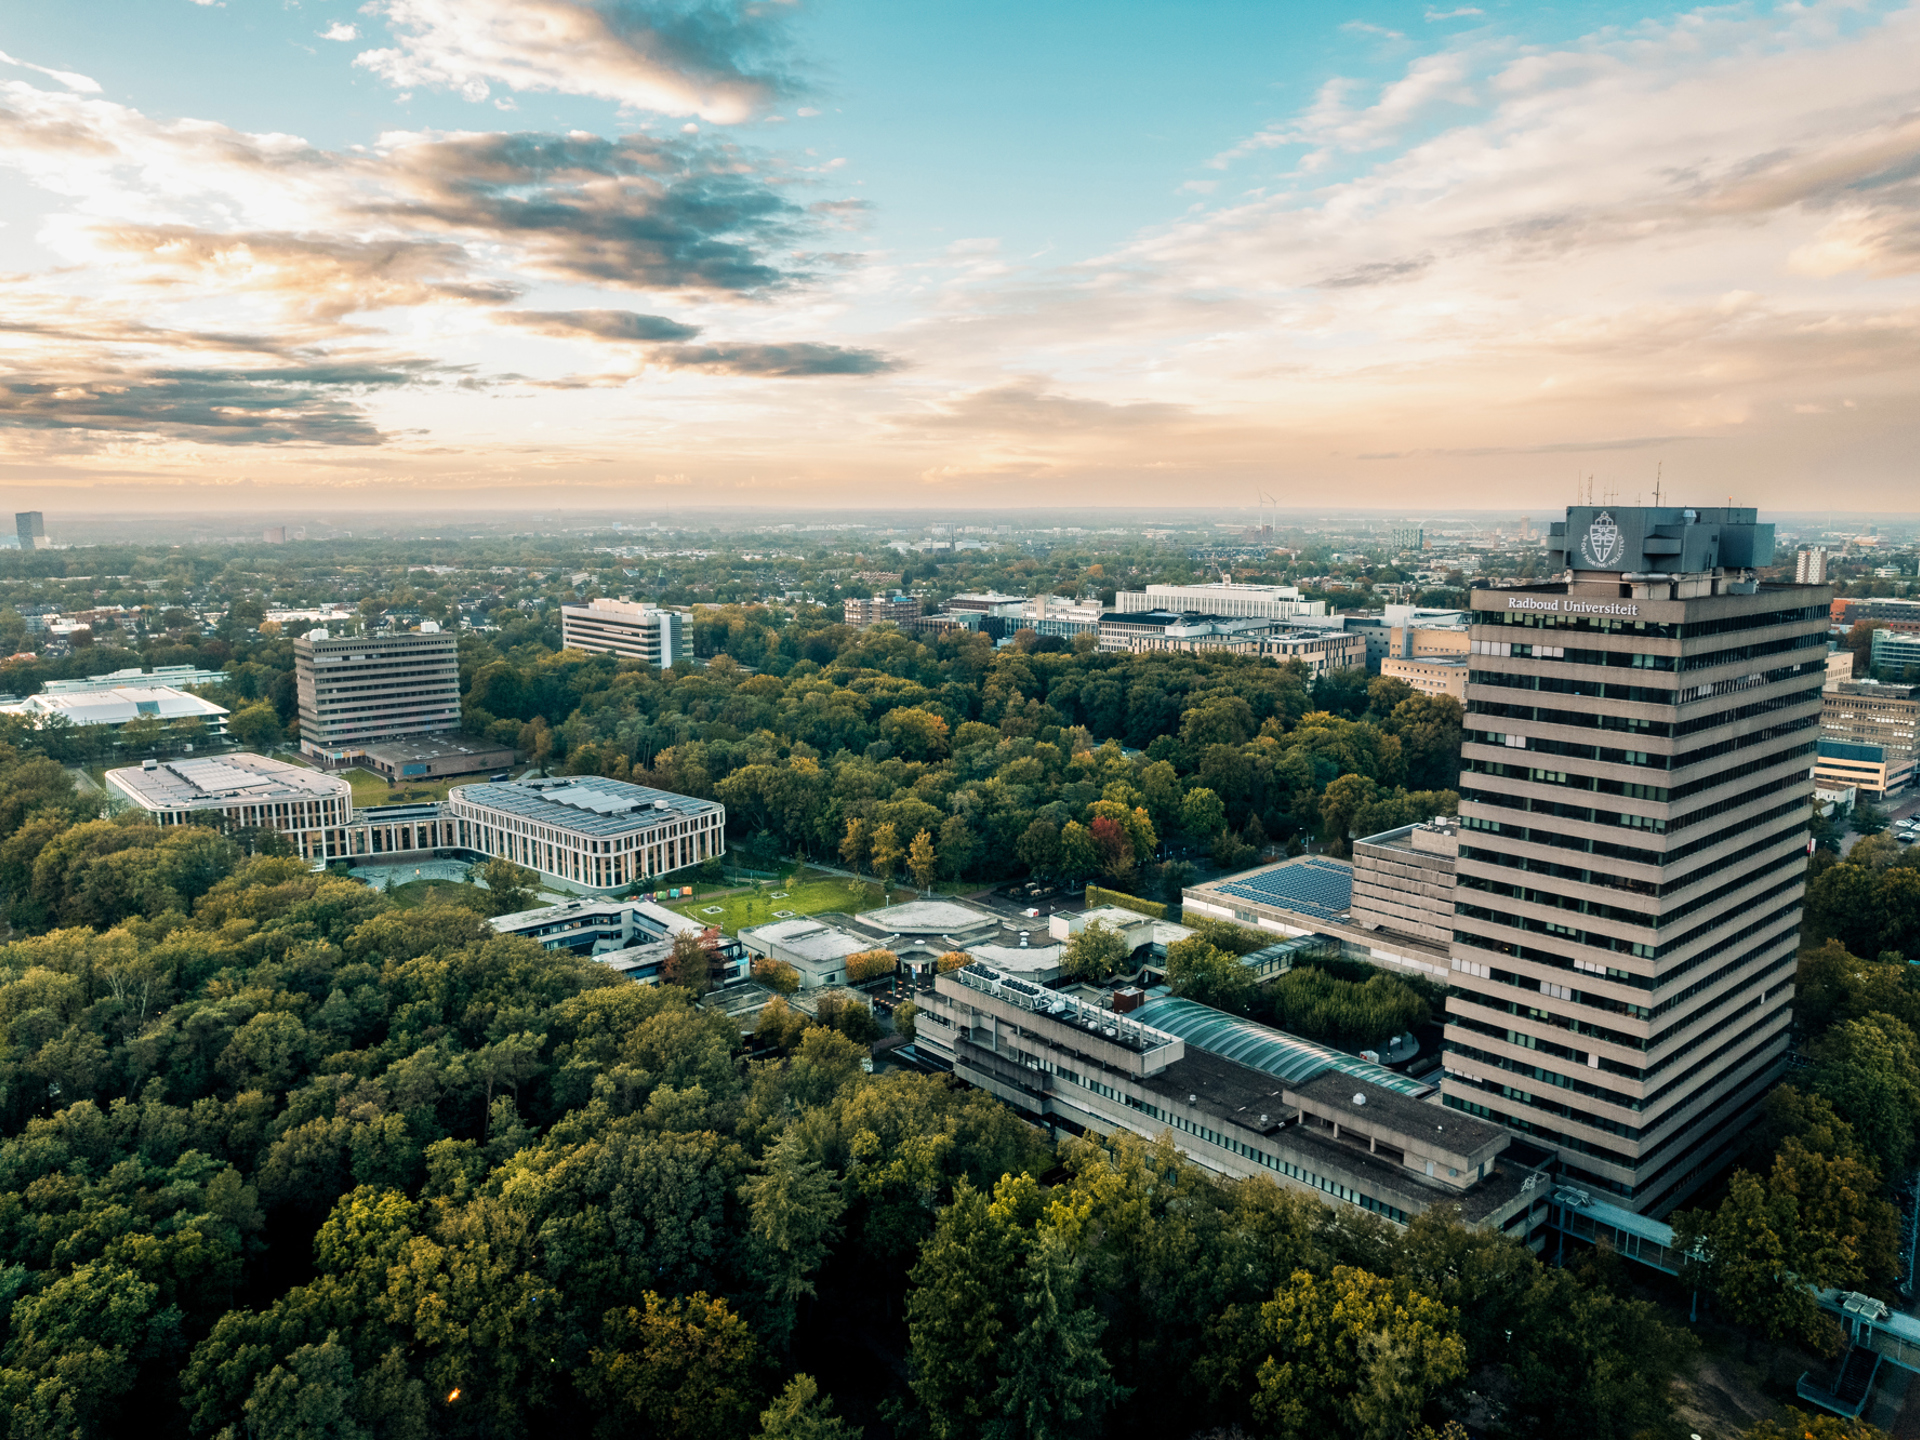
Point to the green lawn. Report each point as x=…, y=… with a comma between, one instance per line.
x=371, y=789
x=810, y=897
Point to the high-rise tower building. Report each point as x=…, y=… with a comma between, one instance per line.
x=1810, y=566
x=31, y=529
x=1633, y=845
x=355, y=690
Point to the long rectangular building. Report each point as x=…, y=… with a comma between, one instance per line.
x=627, y=628
x=356, y=690
x=1634, y=803
x=587, y=831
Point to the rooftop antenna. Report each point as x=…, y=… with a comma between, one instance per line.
x=1662, y=465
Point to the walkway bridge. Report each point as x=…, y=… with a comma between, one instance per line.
x=1876, y=1335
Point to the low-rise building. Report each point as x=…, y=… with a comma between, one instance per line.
x=629, y=629
x=1264, y=602
x=630, y=937
x=312, y=809
x=1896, y=654
x=587, y=831
x=1313, y=895
x=170, y=676
x=117, y=707
x=1319, y=651
x=1429, y=676
x=1868, y=768
x=1239, y=1099
x=1839, y=668
x=429, y=757
x=815, y=946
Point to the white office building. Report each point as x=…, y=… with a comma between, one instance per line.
x=119, y=706
x=627, y=628
x=1267, y=602
x=587, y=831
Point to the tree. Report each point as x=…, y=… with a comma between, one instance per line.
x=1869, y=819
x=511, y=888
x=1198, y=971
x=801, y=1412
x=256, y=726
x=855, y=844
x=922, y=861
x=1353, y=1355
x=776, y=975
x=1753, y=1247
x=689, y=963
x=680, y=1367
x=1341, y=806
x=871, y=965
x=905, y=1017
x=1095, y=953
x=1202, y=815
x=885, y=853
x=794, y=1205
x=1039, y=847
x=1870, y=1069
x=1054, y=1382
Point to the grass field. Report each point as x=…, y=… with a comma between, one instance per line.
x=371, y=789
x=810, y=897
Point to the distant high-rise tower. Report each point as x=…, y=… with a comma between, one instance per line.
x=1811, y=566
x=1633, y=831
x=274, y=535
x=31, y=529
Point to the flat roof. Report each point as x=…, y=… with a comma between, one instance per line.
x=586, y=804
x=935, y=917
x=224, y=780
x=434, y=747
x=1307, y=885
x=118, y=705
x=1453, y=1128
x=1293, y=1058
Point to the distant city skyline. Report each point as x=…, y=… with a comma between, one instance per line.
x=322, y=258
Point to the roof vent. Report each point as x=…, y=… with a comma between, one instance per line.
x=1359, y=1098
x=149, y=764
x=1264, y=1120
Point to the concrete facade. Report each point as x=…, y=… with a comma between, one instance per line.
x=1633, y=820
x=587, y=831
x=355, y=690
x=627, y=628
x=1403, y=881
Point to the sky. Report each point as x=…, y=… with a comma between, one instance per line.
x=480, y=253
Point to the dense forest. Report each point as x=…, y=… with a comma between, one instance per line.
x=282, y=1159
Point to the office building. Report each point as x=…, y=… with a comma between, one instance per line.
x=274, y=535
x=1348, y=905
x=627, y=628
x=1432, y=676
x=633, y=938
x=356, y=690
x=1638, y=747
x=1896, y=655
x=1265, y=602
x=1839, y=668
x=123, y=705
x=986, y=603
x=1239, y=1099
x=1407, y=537
x=1874, y=771
x=31, y=529
x=1866, y=712
x=172, y=676
x=1898, y=615
x=1139, y=631
x=895, y=608
x=311, y=808
x=1810, y=566
x=587, y=831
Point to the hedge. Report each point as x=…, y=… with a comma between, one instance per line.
x=1096, y=897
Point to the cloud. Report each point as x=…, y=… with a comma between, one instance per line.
x=300, y=405
x=1460, y=13
x=340, y=30
x=1027, y=407
x=775, y=361
x=83, y=83
x=1364, y=27
x=617, y=325
x=719, y=59
x=317, y=280
x=634, y=213
x=1561, y=447
x=1383, y=272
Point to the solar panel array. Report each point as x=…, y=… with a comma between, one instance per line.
x=1316, y=887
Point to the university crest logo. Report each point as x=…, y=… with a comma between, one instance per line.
x=1603, y=539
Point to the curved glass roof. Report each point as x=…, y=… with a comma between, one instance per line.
x=1247, y=1042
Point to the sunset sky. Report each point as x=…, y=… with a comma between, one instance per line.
x=849, y=252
